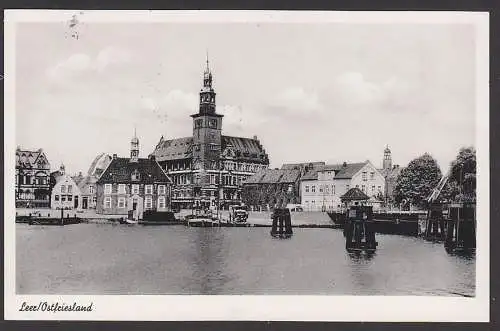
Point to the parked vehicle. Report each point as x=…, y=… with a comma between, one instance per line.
x=238, y=214
x=294, y=207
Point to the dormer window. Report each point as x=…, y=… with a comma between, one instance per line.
x=136, y=176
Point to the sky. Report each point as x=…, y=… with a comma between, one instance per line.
x=330, y=92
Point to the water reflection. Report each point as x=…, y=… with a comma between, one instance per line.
x=208, y=260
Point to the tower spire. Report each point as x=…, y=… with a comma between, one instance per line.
x=208, y=67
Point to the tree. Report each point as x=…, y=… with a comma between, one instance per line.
x=416, y=182
x=462, y=181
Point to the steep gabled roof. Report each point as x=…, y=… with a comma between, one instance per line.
x=273, y=176
x=120, y=171
x=246, y=149
x=27, y=158
x=354, y=194
x=173, y=149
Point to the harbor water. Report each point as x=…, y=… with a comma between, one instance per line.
x=121, y=259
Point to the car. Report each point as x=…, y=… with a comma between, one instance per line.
x=238, y=213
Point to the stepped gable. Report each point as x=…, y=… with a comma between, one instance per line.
x=245, y=148
x=354, y=194
x=273, y=176
x=174, y=149
x=26, y=158
x=120, y=171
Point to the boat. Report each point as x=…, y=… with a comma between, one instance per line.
x=128, y=221
x=202, y=221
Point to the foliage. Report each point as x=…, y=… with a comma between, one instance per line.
x=416, y=182
x=462, y=181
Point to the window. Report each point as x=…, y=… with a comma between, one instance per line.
x=198, y=123
x=357, y=186
x=70, y=198
x=380, y=189
x=121, y=188
x=63, y=188
x=321, y=188
x=327, y=189
x=333, y=189
x=149, y=189
x=364, y=176
x=107, y=188
x=107, y=202
x=94, y=200
x=347, y=187
x=212, y=179
x=161, y=202
x=56, y=198
x=136, y=175
x=91, y=189
x=313, y=189
x=63, y=198
x=148, y=202
x=70, y=189
x=372, y=175
x=373, y=188
x=121, y=202
x=213, y=123
x=135, y=189
x=161, y=189
x=307, y=188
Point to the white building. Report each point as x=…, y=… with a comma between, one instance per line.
x=322, y=188
x=65, y=193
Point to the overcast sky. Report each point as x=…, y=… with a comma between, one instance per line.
x=310, y=92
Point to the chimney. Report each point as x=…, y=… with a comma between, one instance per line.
x=255, y=137
x=79, y=174
x=115, y=156
x=344, y=164
x=152, y=157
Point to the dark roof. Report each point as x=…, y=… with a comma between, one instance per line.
x=181, y=148
x=120, y=171
x=27, y=158
x=313, y=173
x=349, y=169
x=311, y=165
x=174, y=149
x=272, y=176
x=354, y=194
x=245, y=149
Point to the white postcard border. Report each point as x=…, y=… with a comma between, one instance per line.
x=249, y=307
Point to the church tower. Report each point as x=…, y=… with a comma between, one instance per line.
x=387, y=162
x=134, y=148
x=207, y=127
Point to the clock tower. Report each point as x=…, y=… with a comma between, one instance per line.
x=207, y=130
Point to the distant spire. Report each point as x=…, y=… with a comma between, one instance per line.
x=135, y=131
x=208, y=67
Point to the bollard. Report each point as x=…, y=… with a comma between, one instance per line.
x=282, y=225
x=358, y=231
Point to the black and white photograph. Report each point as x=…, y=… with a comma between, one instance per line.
x=246, y=165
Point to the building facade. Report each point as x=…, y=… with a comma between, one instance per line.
x=32, y=179
x=133, y=184
x=322, y=188
x=88, y=183
x=65, y=193
x=208, y=167
x=271, y=188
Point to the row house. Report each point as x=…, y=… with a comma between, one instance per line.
x=32, y=178
x=133, y=184
x=272, y=188
x=65, y=193
x=322, y=188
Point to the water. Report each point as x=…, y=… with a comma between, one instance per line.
x=118, y=259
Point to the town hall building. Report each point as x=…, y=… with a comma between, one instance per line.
x=209, y=168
